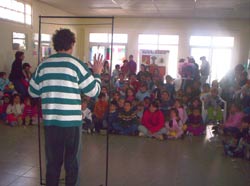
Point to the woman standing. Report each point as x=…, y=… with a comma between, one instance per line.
x=16, y=74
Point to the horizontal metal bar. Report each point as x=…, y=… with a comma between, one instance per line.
x=80, y=17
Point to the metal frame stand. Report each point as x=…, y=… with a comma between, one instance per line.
x=39, y=61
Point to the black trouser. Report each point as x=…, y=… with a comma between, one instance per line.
x=62, y=144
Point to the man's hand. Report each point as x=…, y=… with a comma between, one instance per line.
x=98, y=64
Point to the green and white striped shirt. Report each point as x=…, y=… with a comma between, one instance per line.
x=59, y=81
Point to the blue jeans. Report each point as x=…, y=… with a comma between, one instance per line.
x=62, y=144
x=131, y=129
x=231, y=130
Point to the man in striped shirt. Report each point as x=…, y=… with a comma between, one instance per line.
x=59, y=81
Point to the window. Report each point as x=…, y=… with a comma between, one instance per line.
x=45, y=44
x=18, y=41
x=162, y=42
x=100, y=43
x=217, y=50
x=16, y=11
x=106, y=38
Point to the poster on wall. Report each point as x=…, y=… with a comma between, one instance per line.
x=155, y=59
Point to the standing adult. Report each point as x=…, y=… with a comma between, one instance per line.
x=16, y=74
x=204, y=70
x=59, y=81
x=131, y=65
x=124, y=68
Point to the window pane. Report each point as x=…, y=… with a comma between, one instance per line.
x=98, y=37
x=200, y=40
x=46, y=37
x=196, y=53
x=148, y=47
x=172, y=59
x=223, y=41
x=18, y=35
x=169, y=39
x=28, y=9
x=35, y=37
x=19, y=39
x=119, y=54
x=119, y=38
x=21, y=42
x=28, y=19
x=221, y=61
x=15, y=11
x=5, y=3
x=148, y=39
x=17, y=6
x=4, y=13
x=96, y=50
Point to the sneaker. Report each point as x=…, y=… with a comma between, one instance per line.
x=141, y=134
x=160, y=137
x=13, y=123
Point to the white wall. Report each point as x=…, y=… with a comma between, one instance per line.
x=239, y=29
x=8, y=27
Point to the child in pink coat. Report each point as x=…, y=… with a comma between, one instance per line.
x=174, y=125
x=233, y=123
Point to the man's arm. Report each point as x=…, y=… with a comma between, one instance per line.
x=34, y=89
x=91, y=84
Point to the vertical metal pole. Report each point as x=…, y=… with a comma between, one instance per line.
x=39, y=124
x=110, y=71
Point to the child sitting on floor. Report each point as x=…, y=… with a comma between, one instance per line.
x=130, y=95
x=166, y=102
x=174, y=125
x=28, y=112
x=233, y=123
x=195, y=125
x=4, y=105
x=239, y=144
x=15, y=111
x=111, y=116
x=100, y=109
x=214, y=104
x=152, y=124
x=143, y=92
x=181, y=110
x=127, y=121
x=205, y=91
x=87, y=117
x=5, y=85
x=139, y=111
x=169, y=86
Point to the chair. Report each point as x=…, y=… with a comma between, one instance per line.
x=204, y=111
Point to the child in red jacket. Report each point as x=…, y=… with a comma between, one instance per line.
x=152, y=122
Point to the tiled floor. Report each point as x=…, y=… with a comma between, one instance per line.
x=134, y=161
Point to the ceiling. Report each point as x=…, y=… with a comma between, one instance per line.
x=156, y=8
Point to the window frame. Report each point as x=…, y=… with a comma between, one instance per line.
x=25, y=13
x=158, y=46
x=19, y=38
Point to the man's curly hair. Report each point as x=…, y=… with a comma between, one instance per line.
x=63, y=39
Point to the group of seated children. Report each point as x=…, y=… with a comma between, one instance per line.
x=145, y=106
x=16, y=110
x=140, y=108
